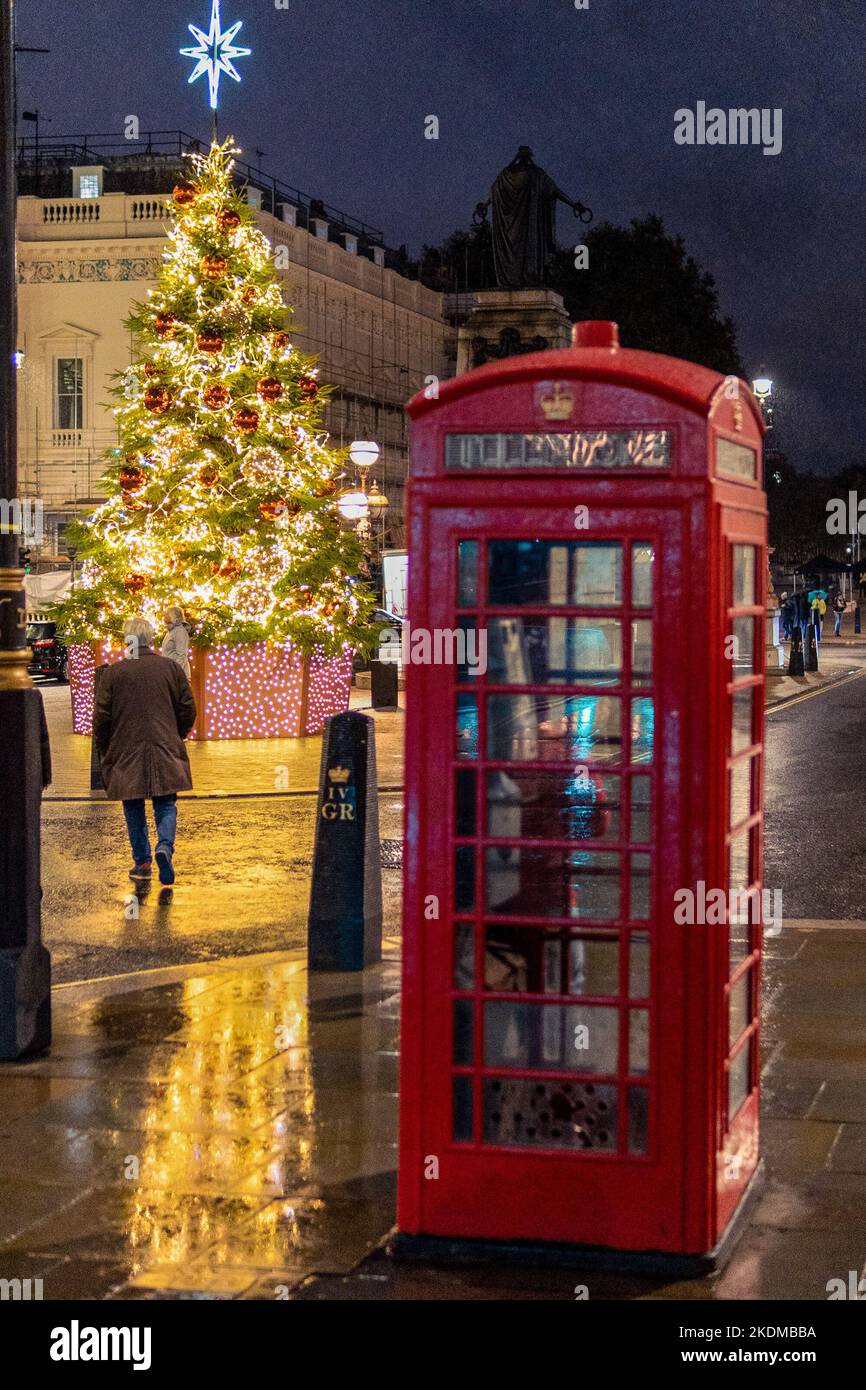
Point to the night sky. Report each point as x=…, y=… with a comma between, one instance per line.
x=337, y=92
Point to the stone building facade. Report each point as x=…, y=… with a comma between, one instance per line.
x=90, y=239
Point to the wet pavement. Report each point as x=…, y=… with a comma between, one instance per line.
x=210, y=1133
x=229, y=1132
x=211, y=1124
x=243, y=853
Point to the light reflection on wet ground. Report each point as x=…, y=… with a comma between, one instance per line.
x=196, y=1136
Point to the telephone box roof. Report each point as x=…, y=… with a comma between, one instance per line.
x=596, y=355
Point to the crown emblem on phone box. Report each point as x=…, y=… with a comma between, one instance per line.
x=558, y=402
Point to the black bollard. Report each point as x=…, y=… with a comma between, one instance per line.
x=811, y=657
x=795, y=659
x=25, y=965
x=345, y=919
x=384, y=684
x=857, y=619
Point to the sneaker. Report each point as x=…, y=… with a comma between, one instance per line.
x=166, y=867
x=141, y=870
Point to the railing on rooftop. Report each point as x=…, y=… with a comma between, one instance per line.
x=92, y=149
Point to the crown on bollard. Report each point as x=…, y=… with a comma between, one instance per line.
x=339, y=775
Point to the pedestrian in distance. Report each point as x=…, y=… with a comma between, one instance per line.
x=143, y=711
x=839, y=606
x=176, y=642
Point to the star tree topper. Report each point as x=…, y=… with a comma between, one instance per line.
x=215, y=52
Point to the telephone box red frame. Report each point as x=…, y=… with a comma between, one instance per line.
x=673, y=1182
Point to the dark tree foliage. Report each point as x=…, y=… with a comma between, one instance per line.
x=798, y=510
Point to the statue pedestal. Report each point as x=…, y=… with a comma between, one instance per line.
x=507, y=323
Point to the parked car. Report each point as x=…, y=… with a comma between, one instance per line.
x=48, y=651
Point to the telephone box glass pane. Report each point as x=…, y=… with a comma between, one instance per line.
x=638, y=1119
x=550, y=1114
x=641, y=790
x=642, y=557
x=741, y=729
x=462, y=1109
x=740, y=779
x=744, y=647
x=547, y=728
x=528, y=961
x=465, y=648
x=463, y=1050
x=464, y=816
x=642, y=729
x=744, y=576
x=738, y=933
x=467, y=569
x=640, y=887
x=467, y=726
x=556, y=1037
x=739, y=1008
x=641, y=652
x=554, y=572
x=593, y=965
x=464, y=878
x=554, y=651
x=464, y=955
x=738, y=1079
x=553, y=883
x=553, y=805
x=735, y=460
x=739, y=879
x=638, y=1042
x=638, y=965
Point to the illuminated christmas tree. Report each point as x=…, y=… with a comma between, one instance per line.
x=222, y=496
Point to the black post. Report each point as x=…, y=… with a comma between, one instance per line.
x=25, y=966
x=811, y=660
x=795, y=660
x=345, y=922
x=857, y=619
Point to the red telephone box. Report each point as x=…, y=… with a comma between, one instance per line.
x=580, y=1060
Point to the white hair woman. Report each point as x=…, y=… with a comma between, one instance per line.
x=176, y=643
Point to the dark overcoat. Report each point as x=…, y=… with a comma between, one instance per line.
x=142, y=713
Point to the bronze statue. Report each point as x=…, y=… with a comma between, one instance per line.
x=524, y=221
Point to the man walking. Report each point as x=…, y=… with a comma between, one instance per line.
x=143, y=711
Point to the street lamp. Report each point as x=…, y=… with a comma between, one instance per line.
x=763, y=389
x=356, y=505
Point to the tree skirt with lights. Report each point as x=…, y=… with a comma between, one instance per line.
x=260, y=690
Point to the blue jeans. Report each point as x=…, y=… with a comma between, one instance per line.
x=165, y=815
x=838, y=625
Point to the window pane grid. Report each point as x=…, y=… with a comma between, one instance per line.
x=623, y=1085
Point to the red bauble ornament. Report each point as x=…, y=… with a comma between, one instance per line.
x=151, y=369
x=230, y=570
x=279, y=342
x=184, y=194
x=246, y=420
x=157, y=399
x=216, y=395
x=208, y=474
x=272, y=507
x=308, y=387
x=167, y=325
x=228, y=220
x=269, y=389
x=132, y=478
x=213, y=267
x=135, y=583
x=209, y=342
